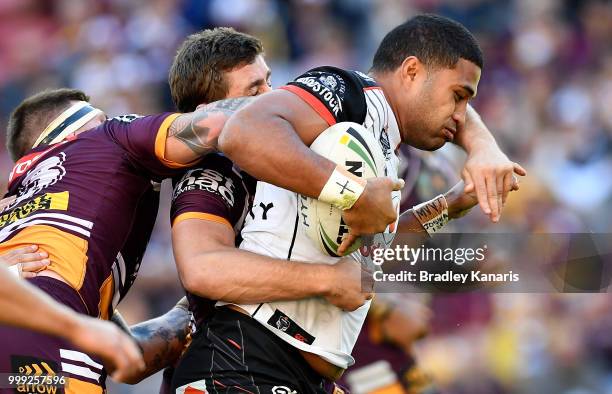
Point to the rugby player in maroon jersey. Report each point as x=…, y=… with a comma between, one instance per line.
x=77, y=194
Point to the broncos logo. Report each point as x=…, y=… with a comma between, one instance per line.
x=46, y=173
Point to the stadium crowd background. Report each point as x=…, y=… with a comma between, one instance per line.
x=546, y=93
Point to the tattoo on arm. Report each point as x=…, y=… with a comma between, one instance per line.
x=162, y=339
x=229, y=106
x=199, y=131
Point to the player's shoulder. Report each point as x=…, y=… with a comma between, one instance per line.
x=336, y=79
x=342, y=92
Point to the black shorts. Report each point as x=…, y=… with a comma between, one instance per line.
x=233, y=353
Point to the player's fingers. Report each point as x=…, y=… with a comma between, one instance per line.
x=481, y=194
x=34, y=266
x=28, y=275
x=12, y=256
x=347, y=241
x=27, y=257
x=508, y=187
x=467, y=180
x=499, y=180
x=398, y=184
x=515, y=183
x=492, y=197
x=519, y=170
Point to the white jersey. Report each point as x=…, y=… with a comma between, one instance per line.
x=275, y=227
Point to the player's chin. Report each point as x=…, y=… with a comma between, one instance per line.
x=434, y=144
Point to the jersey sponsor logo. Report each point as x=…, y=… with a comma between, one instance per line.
x=332, y=97
x=26, y=162
x=384, y=143
x=129, y=118
x=207, y=180
x=264, y=210
x=57, y=201
x=41, y=372
x=329, y=81
x=46, y=173
x=282, y=322
x=303, y=209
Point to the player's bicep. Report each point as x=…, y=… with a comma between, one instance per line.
x=288, y=106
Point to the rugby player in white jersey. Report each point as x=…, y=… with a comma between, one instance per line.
x=286, y=346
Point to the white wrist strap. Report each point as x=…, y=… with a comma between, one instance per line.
x=432, y=214
x=342, y=189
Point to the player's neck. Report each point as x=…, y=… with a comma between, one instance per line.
x=386, y=80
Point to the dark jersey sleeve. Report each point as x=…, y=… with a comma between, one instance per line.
x=212, y=190
x=144, y=138
x=337, y=95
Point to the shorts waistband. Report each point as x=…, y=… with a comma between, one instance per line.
x=60, y=292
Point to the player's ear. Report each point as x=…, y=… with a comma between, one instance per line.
x=410, y=68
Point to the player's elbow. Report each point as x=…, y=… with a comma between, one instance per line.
x=199, y=280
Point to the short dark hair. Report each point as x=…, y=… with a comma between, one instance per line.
x=435, y=40
x=197, y=72
x=34, y=114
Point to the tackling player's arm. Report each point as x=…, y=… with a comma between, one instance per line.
x=26, y=306
x=212, y=267
x=162, y=340
x=194, y=135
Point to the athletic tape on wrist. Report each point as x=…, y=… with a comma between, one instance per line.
x=432, y=214
x=342, y=189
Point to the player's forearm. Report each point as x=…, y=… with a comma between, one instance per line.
x=234, y=275
x=28, y=307
x=266, y=146
x=475, y=133
x=162, y=340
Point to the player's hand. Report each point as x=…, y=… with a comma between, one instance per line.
x=27, y=259
x=489, y=173
x=372, y=212
x=120, y=354
x=406, y=323
x=345, y=287
x=460, y=203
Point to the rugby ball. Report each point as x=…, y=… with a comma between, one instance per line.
x=353, y=147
